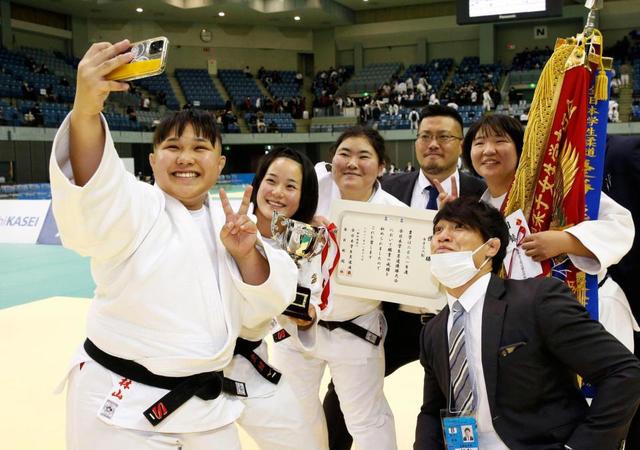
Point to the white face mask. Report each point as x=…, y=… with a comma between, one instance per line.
x=453, y=269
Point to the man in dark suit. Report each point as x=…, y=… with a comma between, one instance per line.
x=438, y=147
x=437, y=151
x=621, y=176
x=520, y=344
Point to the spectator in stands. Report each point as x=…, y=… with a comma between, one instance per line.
x=614, y=114
x=131, y=113
x=487, y=101
x=146, y=103
x=50, y=96
x=31, y=64
x=414, y=116
x=247, y=72
x=37, y=115
x=273, y=127
x=28, y=119
x=162, y=98
x=299, y=79
x=260, y=73
x=625, y=70
x=615, y=87
x=41, y=69
x=28, y=93
x=260, y=124
x=453, y=105
x=409, y=167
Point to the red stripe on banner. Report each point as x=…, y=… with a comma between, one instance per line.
x=327, y=272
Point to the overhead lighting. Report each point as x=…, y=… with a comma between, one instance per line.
x=296, y=18
x=221, y=14
x=139, y=10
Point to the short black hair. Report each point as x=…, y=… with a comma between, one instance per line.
x=308, y=187
x=496, y=125
x=203, y=122
x=481, y=217
x=375, y=139
x=439, y=111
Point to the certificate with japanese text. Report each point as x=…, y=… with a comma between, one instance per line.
x=384, y=254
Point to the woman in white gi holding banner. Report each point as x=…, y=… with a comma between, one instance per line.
x=350, y=336
x=492, y=149
x=176, y=278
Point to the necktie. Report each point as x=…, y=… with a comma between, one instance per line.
x=433, y=197
x=461, y=388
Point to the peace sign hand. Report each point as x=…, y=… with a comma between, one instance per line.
x=443, y=196
x=239, y=233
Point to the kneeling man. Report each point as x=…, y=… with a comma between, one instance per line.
x=504, y=356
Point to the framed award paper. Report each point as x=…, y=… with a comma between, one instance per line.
x=384, y=254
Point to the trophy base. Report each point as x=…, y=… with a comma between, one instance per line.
x=299, y=309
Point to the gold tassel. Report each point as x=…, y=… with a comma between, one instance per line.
x=602, y=85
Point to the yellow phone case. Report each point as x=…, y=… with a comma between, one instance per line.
x=146, y=62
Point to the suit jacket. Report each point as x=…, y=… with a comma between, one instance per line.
x=621, y=172
x=532, y=391
x=401, y=185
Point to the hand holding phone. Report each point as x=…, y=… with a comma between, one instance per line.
x=149, y=59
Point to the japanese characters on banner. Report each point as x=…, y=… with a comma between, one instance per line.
x=385, y=254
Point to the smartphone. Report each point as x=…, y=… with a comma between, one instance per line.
x=149, y=59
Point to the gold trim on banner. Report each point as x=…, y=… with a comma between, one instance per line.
x=538, y=128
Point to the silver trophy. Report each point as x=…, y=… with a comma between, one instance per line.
x=301, y=241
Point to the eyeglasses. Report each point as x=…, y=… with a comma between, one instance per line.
x=440, y=138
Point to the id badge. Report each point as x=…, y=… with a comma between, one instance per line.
x=460, y=432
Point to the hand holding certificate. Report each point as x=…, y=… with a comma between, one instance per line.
x=385, y=254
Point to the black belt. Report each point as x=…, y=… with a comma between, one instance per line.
x=206, y=385
x=246, y=348
x=352, y=328
x=606, y=277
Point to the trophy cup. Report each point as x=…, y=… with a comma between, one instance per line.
x=301, y=241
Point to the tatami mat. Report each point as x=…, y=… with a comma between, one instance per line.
x=37, y=341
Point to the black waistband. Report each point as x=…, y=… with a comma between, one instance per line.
x=246, y=348
x=352, y=328
x=206, y=385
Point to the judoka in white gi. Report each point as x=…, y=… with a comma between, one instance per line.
x=356, y=364
x=176, y=279
x=274, y=415
x=492, y=148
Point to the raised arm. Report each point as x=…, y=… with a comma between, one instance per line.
x=86, y=135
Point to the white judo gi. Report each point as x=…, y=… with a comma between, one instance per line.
x=609, y=238
x=275, y=415
x=161, y=299
x=356, y=365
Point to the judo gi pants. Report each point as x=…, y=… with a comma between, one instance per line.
x=85, y=431
x=279, y=421
x=359, y=385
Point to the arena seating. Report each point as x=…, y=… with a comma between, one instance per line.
x=198, y=88
x=283, y=83
x=435, y=72
x=370, y=78
x=157, y=84
x=32, y=191
x=239, y=86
